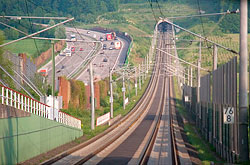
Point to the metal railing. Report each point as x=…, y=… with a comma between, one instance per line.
x=19, y=101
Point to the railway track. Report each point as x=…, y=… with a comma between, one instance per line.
x=134, y=139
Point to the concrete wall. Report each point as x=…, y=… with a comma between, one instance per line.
x=97, y=96
x=22, y=63
x=64, y=91
x=47, y=54
x=23, y=137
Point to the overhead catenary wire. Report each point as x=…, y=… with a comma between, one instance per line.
x=51, y=11
x=16, y=81
x=152, y=10
x=203, y=30
x=31, y=35
x=205, y=15
x=160, y=8
x=204, y=38
x=31, y=27
x=182, y=60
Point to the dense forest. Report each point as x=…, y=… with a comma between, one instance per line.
x=84, y=11
x=87, y=11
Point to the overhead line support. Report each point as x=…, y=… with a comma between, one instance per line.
x=204, y=38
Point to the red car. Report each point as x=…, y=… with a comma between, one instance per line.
x=81, y=49
x=73, y=49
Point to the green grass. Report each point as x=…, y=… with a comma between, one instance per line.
x=205, y=150
x=139, y=24
x=85, y=115
x=28, y=46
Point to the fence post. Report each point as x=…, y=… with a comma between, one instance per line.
x=18, y=102
x=25, y=104
x=21, y=102
x=2, y=95
x=7, y=96
x=11, y=98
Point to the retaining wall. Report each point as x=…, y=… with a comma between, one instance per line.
x=23, y=137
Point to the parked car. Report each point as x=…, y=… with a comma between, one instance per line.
x=81, y=49
x=112, y=43
x=105, y=60
x=110, y=48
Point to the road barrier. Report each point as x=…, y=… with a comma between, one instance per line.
x=19, y=101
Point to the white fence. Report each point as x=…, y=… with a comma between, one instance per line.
x=15, y=99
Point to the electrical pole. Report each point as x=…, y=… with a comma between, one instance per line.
x=199, y=75
x=215, y=51
x=111, y=93
x=139, y=77
x=92, y=96
x=142, y=74
x=123, y=89
x=243, y=93
x=135, y=81
x=198, y=87
x=128, y=86
x=53, y=79
x=191, y=75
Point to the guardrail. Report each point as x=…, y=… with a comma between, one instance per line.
x=19, y=101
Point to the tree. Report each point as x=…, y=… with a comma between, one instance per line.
x=60, y=32
x=11, y=34
x=5, y=63
x=51, y=32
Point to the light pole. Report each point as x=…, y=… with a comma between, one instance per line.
x=123, y=89
x=53, y=79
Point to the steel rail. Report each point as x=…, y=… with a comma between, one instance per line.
x=146, y=95
x=144, y=157
x=173, y=139
x=144, y=101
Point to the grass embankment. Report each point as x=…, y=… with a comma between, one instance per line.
x=205, y=150
x=28, y=46
x=85, y=115
x=137, y=20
